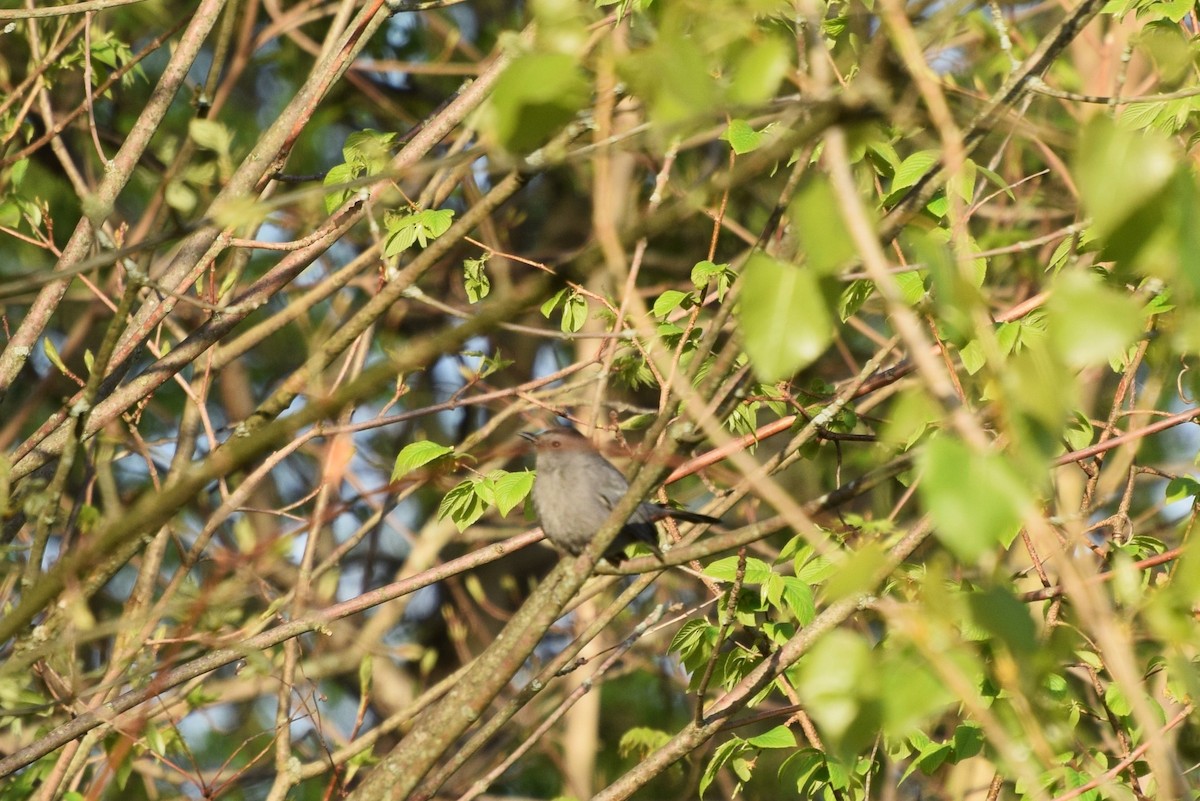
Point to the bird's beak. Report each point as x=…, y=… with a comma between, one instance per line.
x=532, y=436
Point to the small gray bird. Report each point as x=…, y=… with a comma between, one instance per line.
x=576, y=488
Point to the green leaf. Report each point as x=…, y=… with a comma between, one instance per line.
x=963, y=184
x=1116, y=701
x=757, y=571
x=692, y=635
x=1078, y=431
x=968, y=741
x=475, y=279
x=778, y=737
x=802, y=770
x=930, y=758
x=995, y=180
x=10, y=213
x=368, y=150
x=1182, y=488
x=977, y=500
x=574, y=314
x=464, y=504
x=405, y=230
x=437, y=221
x=512, y=489
x=783, y=317
x=741, y=137
x=549, y=305
x=124, y=770
x=705, y=271
x=366, y=669
x=853, y=297
x=336, y=177
x=1137, y=116
x=912, y=286
x=798, y=597
x=913, y=167
x=722, y=754
x=668, y=302
x=17, y=174
x=814, y=569
x=972, y=357
x=417, y=454
x=52, y=354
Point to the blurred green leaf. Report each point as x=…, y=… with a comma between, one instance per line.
x=10, y=214
x=999, y=612
x=857, y=573
x=977, y=500
x=211, y=135
x=783, y=317
x=17, y=172
x=759, y=70
x=673, y=75
x=1088, y=322
x=838, y=686
x=641, y=740
x=819, y=227
x=1118, y=171
x=532, y=100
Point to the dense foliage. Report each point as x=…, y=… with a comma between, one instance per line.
x=905, y=293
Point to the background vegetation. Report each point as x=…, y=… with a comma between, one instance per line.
x=906, y=293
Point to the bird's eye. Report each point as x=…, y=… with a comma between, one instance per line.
x=555, y=444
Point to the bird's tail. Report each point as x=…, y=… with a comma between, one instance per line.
x=691, y=517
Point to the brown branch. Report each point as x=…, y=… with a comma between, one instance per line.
x=252, y=645
x=1046, y=593
x=1125, y=763
x=154, y=509
x=1130, y=436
